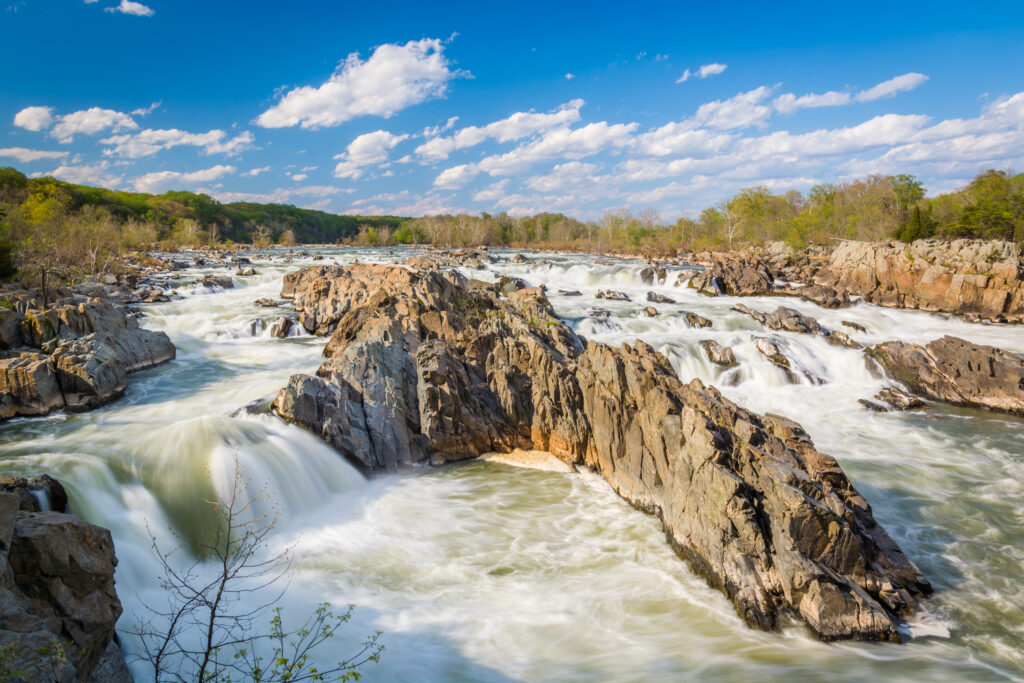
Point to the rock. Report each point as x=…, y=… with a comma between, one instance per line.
x=651, y=274
x=603, y=262
x=718, y=354
x=837, y=338
x=267, y=303
x=36, y=494
x=56, y=593
x=28, y=386
x=735, y=277
x=612, y=295
x=957, y=371
x=518, y=258
x=213, y=281
x=599, y=313
x=855, y=326
x=10, y=329
x=771, y=351
x=245, y=272
x=281, y=327
x=656, y=298
x=694, y=320
x=435, y=371
x=826, y=297
x=684, y=278
x=650, y=311
x=569, y=292
x=983, y=279
x=783, y=318
x=507, y=285
x=892, y=398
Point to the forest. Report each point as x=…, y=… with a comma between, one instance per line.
x=52, y=228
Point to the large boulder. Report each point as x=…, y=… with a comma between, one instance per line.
x=58, y=605
x=437, y=371
x=957, y=371
x=976, y=278
x=735, y=276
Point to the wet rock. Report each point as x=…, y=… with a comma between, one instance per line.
x=267, y=303
x=436, y=371
x=221, y=281
x=684, y=278
x=569, y=292
x=892, y=398
x=735, y=277
x=599, y=313
x=650, y=311
x=783, y=318
x=36, y=494
x=653, y=274
x=282, y=326
x=518, y=258
x=507, y=284
x=824, y=296
x=10, y=328
x=855, y=326
x=28, y=386
x=718, y=354
x=980, y=279
x=957, y=371
x=603, y=262
x=245, y=272
x=837, y=338
x=656, y=298
x=612, y=295
x=694, y=320
x=771, y=351
x=56, y=590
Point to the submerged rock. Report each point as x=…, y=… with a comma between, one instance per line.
x=434, y=371
x=957, y=371
x=656, y=298
x=222, y=281
x=694, y=320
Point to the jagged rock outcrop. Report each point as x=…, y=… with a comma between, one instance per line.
x=437, y=371
x=979, y=279
x=957, y=371
x=56, y=590
x=783, y=318
x=735, y=276
x=88, y=350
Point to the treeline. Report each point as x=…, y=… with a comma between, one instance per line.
x=877, y=208
x=53, y=228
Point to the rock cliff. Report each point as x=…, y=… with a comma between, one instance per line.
x=425, y=366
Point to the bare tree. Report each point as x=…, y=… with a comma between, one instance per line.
x=207, y=630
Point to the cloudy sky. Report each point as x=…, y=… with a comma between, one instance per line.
x=413, y=109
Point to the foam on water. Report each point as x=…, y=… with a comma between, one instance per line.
x=490, y=572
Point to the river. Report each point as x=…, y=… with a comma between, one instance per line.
x=489, y=572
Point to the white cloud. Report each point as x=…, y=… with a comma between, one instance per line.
x=144, y=111
x=514, y=127
x=96, y=174
x=253, y=172
x=740, y=111
x=299, y=177
x=492, y=192
x=163, y=180
x=89, y=122
x=456, y=176
x=788, y=102
x=570, y=76
x=703, y=71
x=280, y=195
x=366, y=150
x=394, y=78
x=561, y=143
x=27, y=155
x=136, y=9
x=681, y=138
x=564, y=176
x=149, y=141
x=892, y=86
x=34, y=118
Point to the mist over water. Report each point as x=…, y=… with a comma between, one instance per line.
x=490, y=572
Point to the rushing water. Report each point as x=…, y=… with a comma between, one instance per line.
x=491, y=572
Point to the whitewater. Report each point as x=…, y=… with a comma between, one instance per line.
x=488, y=572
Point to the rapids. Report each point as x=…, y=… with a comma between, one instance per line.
x=485, y=571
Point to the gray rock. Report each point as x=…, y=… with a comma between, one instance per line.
x=612, y=295
x=718, y=354
x=656, y=298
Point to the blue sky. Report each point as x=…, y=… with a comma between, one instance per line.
x=416, y=108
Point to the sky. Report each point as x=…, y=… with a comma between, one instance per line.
x=581, y=108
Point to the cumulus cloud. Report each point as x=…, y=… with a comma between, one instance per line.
x=163, y=180
x=149, y=141
x=457, y=176
x=514, y=127
x=89, y=122
x=136, y=9
x=394, y=78
x=704, y=71
x=27, y=155
x=366, y=150
x=34, y=118
x=492, y=192
x=253, y=172
x=743, y=110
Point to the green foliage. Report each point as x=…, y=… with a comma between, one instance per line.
x=920, y=226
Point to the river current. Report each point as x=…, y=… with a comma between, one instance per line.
x=489, y=572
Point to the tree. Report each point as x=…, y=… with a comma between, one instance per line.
x=261, y=236
x=288, y=238
x=206, y=632
x=908, y=190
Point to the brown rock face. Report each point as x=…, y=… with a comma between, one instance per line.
x=971, y=277
x=56, y=588
x=737, y=276
x=439, y=371
x=957, y=371
x=94, y=346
